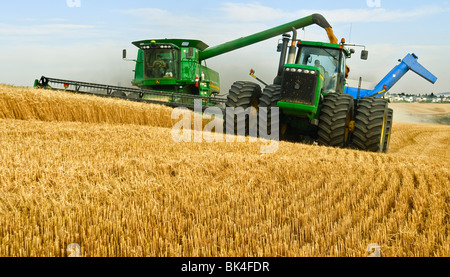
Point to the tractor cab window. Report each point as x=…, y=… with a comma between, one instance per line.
x=326, y=59
x=161, y=63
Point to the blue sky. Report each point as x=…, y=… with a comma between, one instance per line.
x=48, y=37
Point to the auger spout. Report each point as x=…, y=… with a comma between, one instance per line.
x=267, y=34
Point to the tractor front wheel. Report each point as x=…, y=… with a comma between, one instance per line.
x=242, y=109
x=268, y=125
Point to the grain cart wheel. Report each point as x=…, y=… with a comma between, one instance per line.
x=244, y=98
x=268, y=100
x=390, y=120
x=370, y=126
x=335, y=121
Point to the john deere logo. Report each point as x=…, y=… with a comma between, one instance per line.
x=158, y=82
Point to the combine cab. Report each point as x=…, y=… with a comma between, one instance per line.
x=173, y=65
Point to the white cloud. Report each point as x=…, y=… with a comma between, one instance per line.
x=152, y=14
x=160, y=17
x=159, y=23
x=251, y=12
x=375, y=15
x=46, y=29
x=56, y=20
x=256, y=12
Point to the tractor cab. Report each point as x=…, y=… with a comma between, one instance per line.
x=318, y=69
x=329, y=61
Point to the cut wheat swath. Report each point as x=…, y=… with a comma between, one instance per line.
x=47, y=105
x=129, y=190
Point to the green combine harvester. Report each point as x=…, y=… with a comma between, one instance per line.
x=307, y=98
x=170, y=71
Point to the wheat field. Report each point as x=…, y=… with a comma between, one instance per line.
x=107, y=175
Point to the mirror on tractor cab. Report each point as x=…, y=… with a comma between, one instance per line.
x=279, y=47
x=124, y=54
x=364, y=55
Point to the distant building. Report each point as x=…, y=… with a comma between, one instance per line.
x=402, y=98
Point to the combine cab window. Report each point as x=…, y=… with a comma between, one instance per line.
x=324, y=58
x=161, y=63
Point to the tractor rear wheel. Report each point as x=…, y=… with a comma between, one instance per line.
x=243, y=98
x=335, y=121
x=389, y=123
x=268, y=100
x=371, y=124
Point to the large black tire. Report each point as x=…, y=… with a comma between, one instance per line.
x=370, y=126
x=335, y=119
x=389, y=123
x=268, y=100
x=244, y=96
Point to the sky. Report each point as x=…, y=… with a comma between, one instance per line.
x=83, y=39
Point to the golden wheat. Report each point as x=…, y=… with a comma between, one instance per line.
x=48, y=105
x=125, y=189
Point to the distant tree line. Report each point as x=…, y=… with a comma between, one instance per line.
x=432, y=95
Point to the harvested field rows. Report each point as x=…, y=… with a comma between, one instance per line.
x=422, y=112
x=129, y=190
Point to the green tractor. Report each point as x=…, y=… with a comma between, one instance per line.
x=307, y=100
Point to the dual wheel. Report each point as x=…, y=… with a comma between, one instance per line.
x=373, y=126
x=367, y=128
x=242, y=118
x=251, y=114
